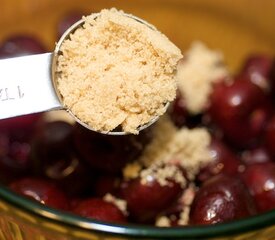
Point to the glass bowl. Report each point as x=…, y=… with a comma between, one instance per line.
x=237, y=28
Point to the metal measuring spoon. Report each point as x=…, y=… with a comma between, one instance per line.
x=28, y=84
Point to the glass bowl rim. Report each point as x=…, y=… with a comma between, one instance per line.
x=134, y=230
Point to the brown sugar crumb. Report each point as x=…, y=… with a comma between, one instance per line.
x=163, y=174
x=190, y=149
x=184, y=216
x=163, y=221
x=182, y=219
x=188, y=195
x=185, y=147
x=200, y=68
x=186, y=199
x=171, y=148
x=132, y=170
x=115, y=71
x=163, y=132
x=120, y=203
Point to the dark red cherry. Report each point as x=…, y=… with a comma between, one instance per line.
x=146, y=201
x=258, y=69
x=41, y=191
x=53, y=139
x=180, y=116
x=256, y=155
x=224, y=160
x=26, y=121
x=20, y=128
x=21, y=45
x=106, y=184
x=54, y=158
x=70, y=174
x=108, y=153
x=178, y=111
x=99, y=209
x=260, y=180
x=221, y=199
x=270, y=136
x=67, y=22
x=174, y=211
x=241, y=110
x=73, y=202
x=14, y=158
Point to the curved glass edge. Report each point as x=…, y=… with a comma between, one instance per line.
x=131, y=230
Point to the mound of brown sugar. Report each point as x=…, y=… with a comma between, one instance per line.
x=171, y=147
x=115, y=71
x=197, y=73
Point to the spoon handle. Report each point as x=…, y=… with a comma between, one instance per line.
x=26, y=86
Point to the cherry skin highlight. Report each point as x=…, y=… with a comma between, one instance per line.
x=260, y=180
x=224, y=160
x=42, y=191
x=240, y=110
x=221, y=199
x=145, y=201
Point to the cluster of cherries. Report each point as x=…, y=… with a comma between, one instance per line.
x=70, y=168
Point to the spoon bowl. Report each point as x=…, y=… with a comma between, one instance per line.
x=33, y=88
